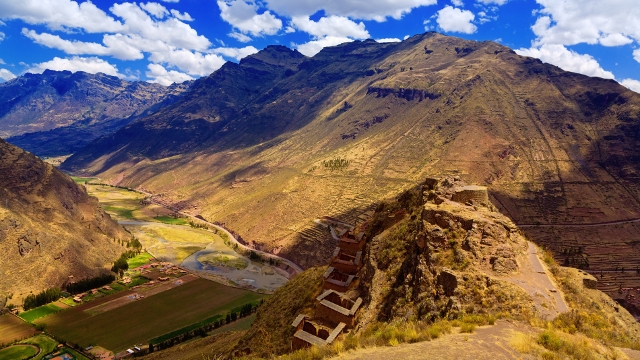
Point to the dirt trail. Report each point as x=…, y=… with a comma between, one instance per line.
x=535, y=279
x=487, y=342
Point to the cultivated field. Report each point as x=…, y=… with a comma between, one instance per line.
x=39, y=312
x=18, y=352
x=12, y=328
x=139, y=321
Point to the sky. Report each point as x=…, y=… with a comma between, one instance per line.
x=167, y=41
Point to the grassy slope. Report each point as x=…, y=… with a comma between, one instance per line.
x=142, y=320
x=270, y=334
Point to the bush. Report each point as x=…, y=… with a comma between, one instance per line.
x=44, y=297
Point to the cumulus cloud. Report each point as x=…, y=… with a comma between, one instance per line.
x=60, y=15
x=569, y=22
x=158, y=74
x=631, y=84
x=91, y=65
x=457, y=3
x=193, y=63
x=181, y=16
x=313, y=47
x=337, y=26
x=6, y=75
x=388, y=40
x=636, y=55
x=2, y=36
x=243, y=16
x=377, y=10
x=456, y=20
x=236, y=53
x=567, y=60
x=155, y=9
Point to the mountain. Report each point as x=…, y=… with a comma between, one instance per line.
x=49, y=227
x=58, y=112
x=270, y=144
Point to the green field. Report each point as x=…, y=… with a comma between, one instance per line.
x=82, y=180
x=139, y=260
x=118, y=211
x=142, y=320
x=18, y=352
x=12, y=329
x=46, y=344
x=42, y=311
x=171, y=220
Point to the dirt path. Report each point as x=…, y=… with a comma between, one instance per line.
x=487, y=342
x=535, y=279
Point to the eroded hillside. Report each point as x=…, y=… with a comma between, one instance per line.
x=49, y=227
x=359, y=122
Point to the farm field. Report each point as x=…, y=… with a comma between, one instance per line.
x=18, y=352
x=39, y=312
x=139, y=321
x=12, y=328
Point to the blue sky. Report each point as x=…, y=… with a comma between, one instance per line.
x=170, y=41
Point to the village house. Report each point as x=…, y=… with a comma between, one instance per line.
x=338, y=281
x=309, y=333
x=336, y=308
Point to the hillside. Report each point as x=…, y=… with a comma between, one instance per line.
x=49, y=227
x=58, y=112
x=359, y=122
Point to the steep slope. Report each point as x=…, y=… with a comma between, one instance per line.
x=556, y=147
x=58, y=112
x=49, y=227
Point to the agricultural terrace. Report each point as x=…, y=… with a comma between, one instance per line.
x=139, y=321
x=12, y=329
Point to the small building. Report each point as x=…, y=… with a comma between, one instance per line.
x=163, y=278
x=309, y=333
x=336, y=308
x=351, y=243
x=339, y=281
x=346, y=263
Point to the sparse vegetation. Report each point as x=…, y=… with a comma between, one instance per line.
x=335, y=164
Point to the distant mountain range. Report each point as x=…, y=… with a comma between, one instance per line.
x=58, y=112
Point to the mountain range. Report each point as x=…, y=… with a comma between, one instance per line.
x=58, y=112
x=359, y=122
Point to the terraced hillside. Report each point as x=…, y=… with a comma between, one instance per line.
x=272, y=143
x=49, y=227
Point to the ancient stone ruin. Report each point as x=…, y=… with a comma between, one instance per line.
x=338, y=305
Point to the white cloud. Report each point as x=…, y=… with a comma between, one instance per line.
x=239, y=36
x=631, y=84
x=242, y=15
x=313, y=47
x=377, y=10
x=457, y=3
x=236, y=53
x=181, y=16
x=456, y=20
x=6, y=75
x=155, y=9
x=567, y=60
x=171, y=1
x=497, y=2
x=2, y=62
x=193, y=63
x=158, y=74
x=570, y=22
x=616, y=39
x=60, y=15
x=90, y=64
x=388, y=40
x=171, y=31
x=636, y=54
x=336, y=26
x=2, y=36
